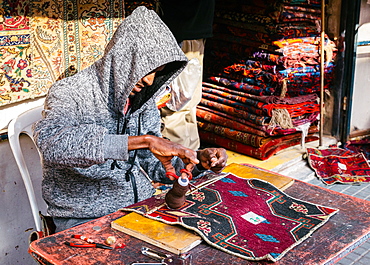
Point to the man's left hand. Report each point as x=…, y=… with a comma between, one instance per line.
x=213, y=158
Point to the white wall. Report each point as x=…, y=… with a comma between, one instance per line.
x=16, y=221
x=360, y=117
x=360, y=111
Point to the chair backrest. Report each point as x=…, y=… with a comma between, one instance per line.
x=23, y=124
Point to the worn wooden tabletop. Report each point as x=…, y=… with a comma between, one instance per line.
x=342, y=233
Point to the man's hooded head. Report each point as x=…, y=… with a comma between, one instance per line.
x=140, y=45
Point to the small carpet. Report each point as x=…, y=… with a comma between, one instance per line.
x=248, y=218
x=336, y=165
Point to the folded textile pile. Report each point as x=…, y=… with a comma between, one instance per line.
x=301, y=60
x=258, y=126
x=262, y=76
x=252, y=26
x=261, y=110
x=306, y=80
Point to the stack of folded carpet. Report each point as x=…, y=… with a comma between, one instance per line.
x=258, y=126
x=301, y=61
x=262, y=76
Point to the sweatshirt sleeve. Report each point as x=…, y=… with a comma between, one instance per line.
x=71, y=133
x=115, y=147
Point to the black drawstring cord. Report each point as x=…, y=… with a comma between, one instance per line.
x=129, y=175
x=114, y=165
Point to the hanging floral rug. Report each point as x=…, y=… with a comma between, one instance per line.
x=44, y=41
x=248, y=218
x=336, y=165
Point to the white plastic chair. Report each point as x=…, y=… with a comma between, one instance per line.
x=23, y=124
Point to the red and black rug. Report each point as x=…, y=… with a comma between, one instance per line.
x=249, y=218
x=337, y=165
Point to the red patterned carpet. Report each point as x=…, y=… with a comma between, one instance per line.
x=249, y=218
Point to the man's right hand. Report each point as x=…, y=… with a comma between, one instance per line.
x=164, y=150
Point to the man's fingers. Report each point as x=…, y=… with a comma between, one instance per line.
x=191, y=156
x=189, y=167
x=210, y=157
x=213, y=159
x=221, y=160
x=166, y=162
x=169, y=167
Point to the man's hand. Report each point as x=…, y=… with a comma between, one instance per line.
x=213, y=158
x=165, y=150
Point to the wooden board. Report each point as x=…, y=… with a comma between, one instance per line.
x=169, y=237
x=245, y=171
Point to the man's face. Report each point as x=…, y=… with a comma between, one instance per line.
x=145, y=81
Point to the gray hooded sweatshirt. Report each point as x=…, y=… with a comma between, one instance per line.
x=84, y=130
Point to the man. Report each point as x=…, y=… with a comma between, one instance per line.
x=100, y=133
x=191, y=22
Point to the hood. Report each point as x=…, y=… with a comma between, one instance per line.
x=140, y=44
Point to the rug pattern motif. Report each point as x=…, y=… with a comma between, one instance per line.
x=249, y=218
x=15, y=70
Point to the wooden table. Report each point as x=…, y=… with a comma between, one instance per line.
x=342, y=233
